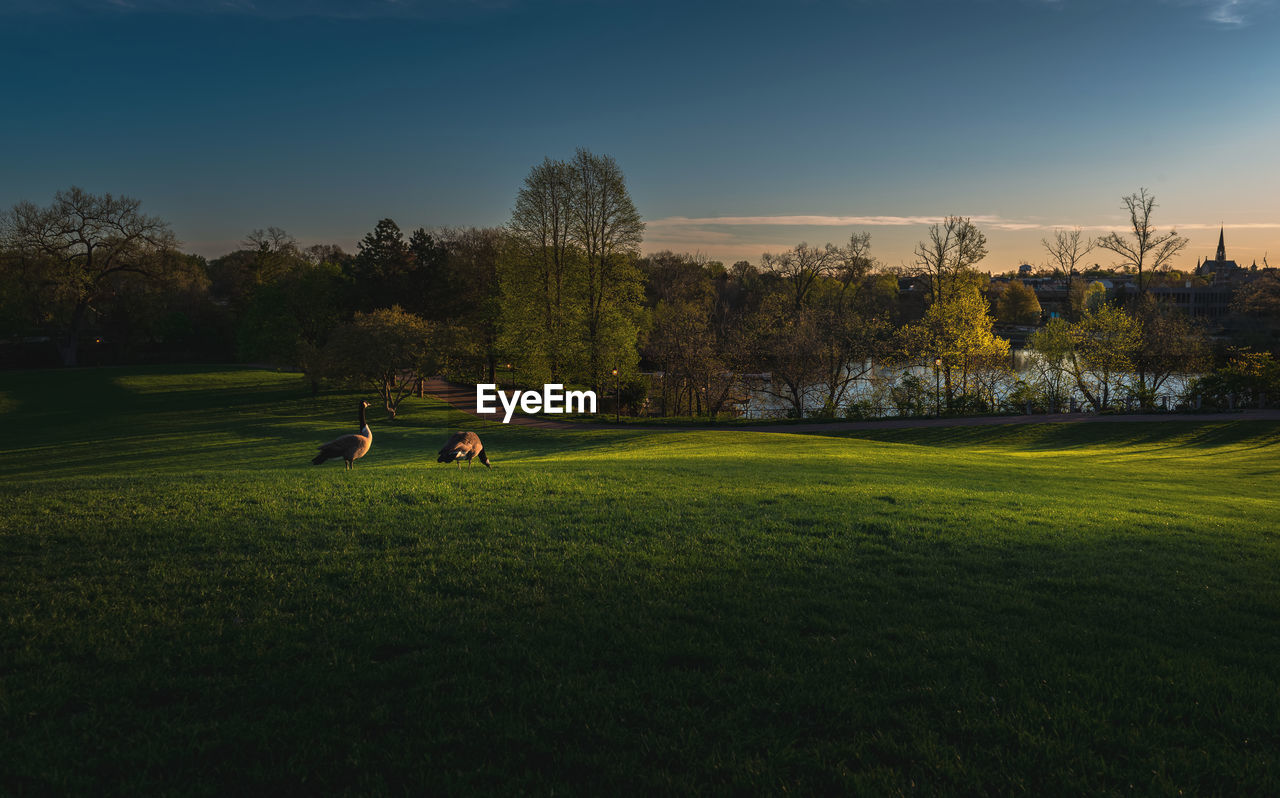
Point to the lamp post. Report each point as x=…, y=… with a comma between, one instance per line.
x=617, y=398
x=937, y=386
x=511, y=367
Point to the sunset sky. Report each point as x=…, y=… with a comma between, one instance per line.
x=742, y=127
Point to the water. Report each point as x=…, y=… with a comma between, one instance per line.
x=873, y=395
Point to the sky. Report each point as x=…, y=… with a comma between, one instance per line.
x=742, y=127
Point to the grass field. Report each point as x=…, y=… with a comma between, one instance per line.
x=187, y=606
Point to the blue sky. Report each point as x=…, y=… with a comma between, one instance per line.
x=742, y=127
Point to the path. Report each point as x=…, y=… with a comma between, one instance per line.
x=463, y=397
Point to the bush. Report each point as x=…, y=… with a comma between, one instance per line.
x=1248, y=379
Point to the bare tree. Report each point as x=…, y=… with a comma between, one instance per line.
x=1067, y=249
x=1148, y=250
x=89, y=240
x=954, y=247
x=801, y=266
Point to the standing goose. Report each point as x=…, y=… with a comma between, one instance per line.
x=463, y=445
x=349, y=447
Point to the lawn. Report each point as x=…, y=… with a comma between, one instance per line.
x=188, y=606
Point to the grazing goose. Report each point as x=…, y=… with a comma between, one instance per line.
x=463, y=445
x=349, y=447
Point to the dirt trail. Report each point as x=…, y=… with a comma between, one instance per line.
x=463, y=397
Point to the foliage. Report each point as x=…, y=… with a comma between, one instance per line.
x=570, y=290
x=1097, y=352
x=387, y=350
x=1255, y=312
x=75, y=254
x=1169, y=344
x=1247, y=379
x=957, y=331
x=1018, y=304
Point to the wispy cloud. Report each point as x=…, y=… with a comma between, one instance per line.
x=1227, y=12
x=1231, y=13
x=705, y=225
x=996, y=222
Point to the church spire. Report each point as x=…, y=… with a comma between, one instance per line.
x=1222, y=247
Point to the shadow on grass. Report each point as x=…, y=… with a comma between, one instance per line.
x=469, y=659
x=1035, y=437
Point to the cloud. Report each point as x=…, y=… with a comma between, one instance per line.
x=703, y=227
x=1227, y=12
x=996, y=222
x=1230, y=13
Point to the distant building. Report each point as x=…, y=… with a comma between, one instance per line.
x=1025, y=270
x=1212, y=301
x=1219, y=268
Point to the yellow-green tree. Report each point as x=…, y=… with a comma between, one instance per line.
x=1018, y=304
x=1097, y=352
x=955, y=339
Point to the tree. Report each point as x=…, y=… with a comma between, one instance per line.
x=1255, y=311
x=538, y=277
x=76, y=247
x=801, y=267
x=1067, y=250
x=956, y=330
x=381, y=268
x=299, y=309
x=1148, y=250
x=1246, y=379
x=1018, y=304
x=791, y=347
x=947, y=258
x=471, y=268
x=427, y=287
x=1169, y=344
x=388, y=349
x=605, y=224
x=1097, y=351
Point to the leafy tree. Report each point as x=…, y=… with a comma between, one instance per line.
x=1144, y=249
x=1097, y=352
x=1018, y=304
x=539, y=277
x=428, y=289
x=791, y=349
x=381, y=270
x=71, y=253
x=606, y=227
x=472, y=259
x=300, y=308
x=1247, y=379
x=1169, y=344
x=387, y=349
x=957, y=330
x=1255, y=313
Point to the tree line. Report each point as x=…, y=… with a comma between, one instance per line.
x=561, y=293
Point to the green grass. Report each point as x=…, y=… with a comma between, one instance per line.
x=188, y=606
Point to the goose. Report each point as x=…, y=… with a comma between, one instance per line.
x=349, y=447
x=463, y=445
